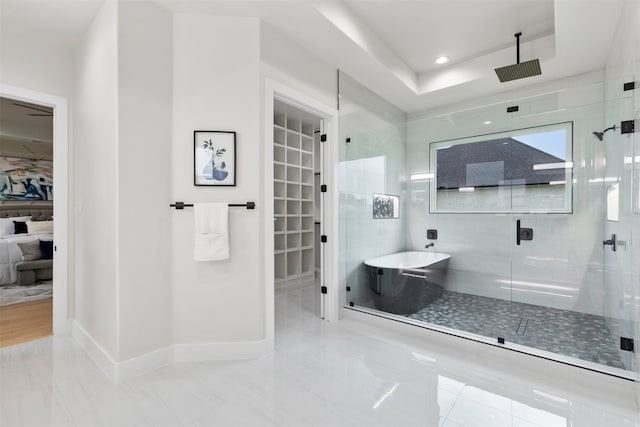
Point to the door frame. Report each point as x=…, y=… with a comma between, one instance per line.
x=61, y=322
x=273, y=91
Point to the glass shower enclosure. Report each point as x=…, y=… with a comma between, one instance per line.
x=530, y=206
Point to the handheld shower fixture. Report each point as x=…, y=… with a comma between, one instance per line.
x=600, y=135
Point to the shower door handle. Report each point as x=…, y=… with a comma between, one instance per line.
x=523, y=233
x=611, y=242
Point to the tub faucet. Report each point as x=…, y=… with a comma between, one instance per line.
x=429, y=245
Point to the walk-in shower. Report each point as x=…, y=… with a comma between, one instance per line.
x=523, y=203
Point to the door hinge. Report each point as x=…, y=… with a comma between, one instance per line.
x=629, y=86
x=500, y=340
x=351, y=304
x=323, y=137
x=348, y=288
x=323, y=238
x=348, y=140
x=323, y=289
x=323, y=188
x=626, y=344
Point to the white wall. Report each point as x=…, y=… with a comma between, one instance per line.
x=144, y=177
x=36, y=66
x=96, y=121
x=291, y=65
x=216, y=86
x=560, y=267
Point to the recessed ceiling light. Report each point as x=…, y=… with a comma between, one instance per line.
x=442, y=60
x=488, y=122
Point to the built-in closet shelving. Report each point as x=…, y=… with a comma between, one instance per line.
x=293, y=191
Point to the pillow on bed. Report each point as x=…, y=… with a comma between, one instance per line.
x=30, y=250
x=7, y=228
x=20, y=227
x=46, y=249
x=40, y=227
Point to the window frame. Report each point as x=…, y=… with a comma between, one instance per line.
x=568, y=186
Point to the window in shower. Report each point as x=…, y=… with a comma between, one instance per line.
x=519, y=171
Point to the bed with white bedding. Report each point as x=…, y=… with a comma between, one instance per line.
x=10, y=253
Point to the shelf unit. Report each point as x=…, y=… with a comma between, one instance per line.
x=293, y=191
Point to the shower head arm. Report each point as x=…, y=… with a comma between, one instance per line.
x=608, y=129
x=517, y=36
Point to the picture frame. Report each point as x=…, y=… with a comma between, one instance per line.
x=214, y=158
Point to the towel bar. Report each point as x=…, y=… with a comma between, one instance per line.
x=182, y=205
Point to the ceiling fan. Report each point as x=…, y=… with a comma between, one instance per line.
x=37, y=157
x=46, y=112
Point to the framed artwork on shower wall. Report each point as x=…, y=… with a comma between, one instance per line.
x=214, y=158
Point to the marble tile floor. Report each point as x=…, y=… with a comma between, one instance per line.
x=320, y=374
x=570, y=333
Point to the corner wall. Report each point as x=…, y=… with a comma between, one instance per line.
x=144, y=177
x=95, y=160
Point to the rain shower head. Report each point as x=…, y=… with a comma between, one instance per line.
x=600, y=135
x=519, y=70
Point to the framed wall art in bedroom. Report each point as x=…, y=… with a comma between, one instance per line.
x=214, y=158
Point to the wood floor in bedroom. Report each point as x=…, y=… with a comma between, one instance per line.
x=25, y=322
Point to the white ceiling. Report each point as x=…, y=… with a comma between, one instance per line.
x=390, y=45
x=420, y=32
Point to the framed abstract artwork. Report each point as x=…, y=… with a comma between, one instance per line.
x=385, y=206
x=214, y=158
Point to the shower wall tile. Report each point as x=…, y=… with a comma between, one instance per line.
x=566, y=251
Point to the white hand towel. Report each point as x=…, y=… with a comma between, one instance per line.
x=212, y=231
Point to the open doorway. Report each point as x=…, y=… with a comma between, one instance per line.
x=300, y=208
x=26, y=221
x=297, y=209
x=39, y=211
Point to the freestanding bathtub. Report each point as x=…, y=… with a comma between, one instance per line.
x=406, y=282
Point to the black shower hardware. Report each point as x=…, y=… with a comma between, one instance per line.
x=432, y=234
x=429, y=245
x=182, y=205
x=600, y=135
x=611, y=242
x=519, y=70
x=523, y=233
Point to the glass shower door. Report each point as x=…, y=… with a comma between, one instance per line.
x=618, y=215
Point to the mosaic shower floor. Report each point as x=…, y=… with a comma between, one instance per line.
x=580, y=335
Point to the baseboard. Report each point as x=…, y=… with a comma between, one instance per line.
x=220, y=351
x=131, y=368
x=98, y=354
x=144, y=363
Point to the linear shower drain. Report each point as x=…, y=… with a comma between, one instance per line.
x=522, y=326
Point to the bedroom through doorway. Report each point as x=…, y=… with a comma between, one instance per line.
x=26, y=221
